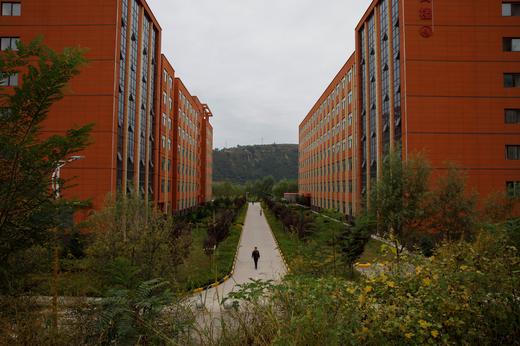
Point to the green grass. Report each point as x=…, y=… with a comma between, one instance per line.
x=320, y=253
x=200, y=269
x=288, y=242
x=373, y=253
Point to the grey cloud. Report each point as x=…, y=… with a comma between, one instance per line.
x=259, y=64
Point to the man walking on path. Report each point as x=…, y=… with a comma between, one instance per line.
x=256, y=256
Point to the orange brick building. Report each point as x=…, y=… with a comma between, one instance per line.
x=126, y=90
x=440, y=77
x=327, y=148
x=187, y=168
x=165, y=137
x=207, y=156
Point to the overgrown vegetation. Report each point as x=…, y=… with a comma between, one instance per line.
x=28, y=209
x=467, y=293
x=314, y=244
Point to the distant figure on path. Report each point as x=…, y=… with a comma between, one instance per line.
x=256, y=256
x=260, y=211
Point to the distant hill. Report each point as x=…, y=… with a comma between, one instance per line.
x=252, y=162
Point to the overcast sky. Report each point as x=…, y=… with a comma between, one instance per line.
x=259, y=64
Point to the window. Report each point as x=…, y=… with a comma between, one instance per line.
x=510, y=9
x=164, y=97
x=170, y=103
x=12, y=80
x=165, y=75
x=513, y=188
x=11, y=9
x=512, y=152
x=350, y=119
x=509, y=44
x=350, y=142
x=9, y=43
x=170, y=82
x=511, y=80
x=164, y=119
x=163, y=141
x=170, y=123
x=512, y=116
x=350, y=97
x=169, y=144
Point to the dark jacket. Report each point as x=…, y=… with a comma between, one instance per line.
x=256, y=255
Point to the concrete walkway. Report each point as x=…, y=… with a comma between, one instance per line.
x=256, y=232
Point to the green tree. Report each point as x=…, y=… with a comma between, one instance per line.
x=398, y=201
x=28, y=157
x=454, y=209
x=499, y=206
x=263, y=188
x=284, y=186
x=227, y=189
x=354, y=239
x=129, y=228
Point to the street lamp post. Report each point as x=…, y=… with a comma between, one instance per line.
x=55, y=185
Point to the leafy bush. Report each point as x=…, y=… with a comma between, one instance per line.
x=297, y=221
x=134, y=312
x=128, y=228
x=467, y=293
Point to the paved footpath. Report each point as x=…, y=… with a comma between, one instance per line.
x=256, y=232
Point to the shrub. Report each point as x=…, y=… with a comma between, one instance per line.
x=467, y=293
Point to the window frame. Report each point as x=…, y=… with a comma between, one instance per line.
x=11, y=7
x=10, y=45
x=513, y=188
x=514, y=9
x=9, y=81
x=512, y=116
x=511, y=44
x=512, y=152
x=514, y=82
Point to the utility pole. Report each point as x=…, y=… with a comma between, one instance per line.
x=55, y=185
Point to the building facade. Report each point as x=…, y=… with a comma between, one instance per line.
x=126, y=90
x=441, y=78
x=327, y=147
x=207, y=146
x=165, y=137
x=187, y=173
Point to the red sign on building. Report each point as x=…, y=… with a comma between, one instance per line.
x=426, y=14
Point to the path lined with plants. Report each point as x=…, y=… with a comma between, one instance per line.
x=256, y=232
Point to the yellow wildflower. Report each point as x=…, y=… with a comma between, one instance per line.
x=364, y=330
x=351, y=290
x=423, y=324
x=368, y=289
x=418, y=270
x=408, y=335
x=361, y=299
x=426, y=282
x=390, y=284
x=434, y=333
